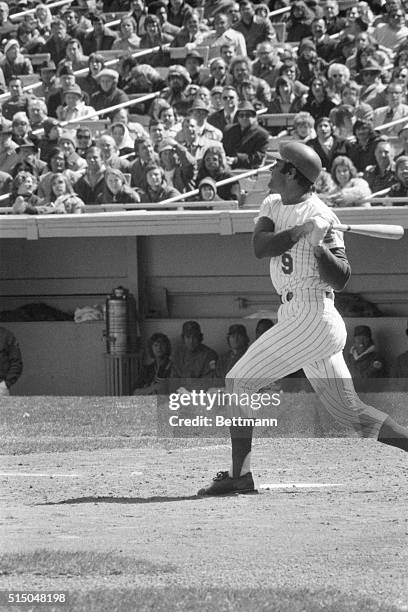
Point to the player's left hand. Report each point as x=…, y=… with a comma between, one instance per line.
x=320, y=231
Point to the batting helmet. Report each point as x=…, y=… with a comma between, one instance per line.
x=303, y=158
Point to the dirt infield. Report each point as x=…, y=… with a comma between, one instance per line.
x=114, y=519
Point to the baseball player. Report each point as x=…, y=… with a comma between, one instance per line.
x=308, y=263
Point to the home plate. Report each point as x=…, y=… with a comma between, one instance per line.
x=298, y=485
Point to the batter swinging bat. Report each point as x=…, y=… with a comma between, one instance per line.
x=377, y=230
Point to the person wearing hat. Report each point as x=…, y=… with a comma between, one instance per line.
x=101, y=38
x=178, y=80
x=238, y=342
x=73, y=160
x=372, y=87
x=193, y=63
x=178, y=164
x=28, y=159
x=364, y=361
x=56, y=98
x=245, y=142
x=48, y=86
x=224, y=34
x=108, y=93
x=207, y=190
x=157, y=188
x=200, y=112
x=395, y=109
x=14, y=62
x=193, y=359
x=308, y=262
x=308, y=63
x=73, y=107
x=381, y=175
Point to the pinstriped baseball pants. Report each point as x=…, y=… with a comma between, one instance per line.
x=310, y=334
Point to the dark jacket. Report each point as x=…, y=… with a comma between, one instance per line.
x=249, y=146
x=11, y=363
x=158, y=196
x=340, y=147
x=363, y=156
x=217, y=119
x=126, y=195
x=100, y=99
x=92, y=44
x=87, y=193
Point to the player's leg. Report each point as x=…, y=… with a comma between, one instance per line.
x=298, y=337
x=331, y=379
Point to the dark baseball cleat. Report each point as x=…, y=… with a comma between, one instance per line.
x=223, y=484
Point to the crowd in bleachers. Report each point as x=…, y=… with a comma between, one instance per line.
x=160, y=99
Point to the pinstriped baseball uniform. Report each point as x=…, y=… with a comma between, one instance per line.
x=310, y=333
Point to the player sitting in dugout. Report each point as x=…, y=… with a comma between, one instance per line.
x=194, y=363
x=364, y=360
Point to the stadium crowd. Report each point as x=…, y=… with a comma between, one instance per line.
x=227, y=81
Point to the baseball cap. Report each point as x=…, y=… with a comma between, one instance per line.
x=246, y=106
x=109, y=73
x=191, y=328
x=364, y=112
x=75, y=89
x=199, y=105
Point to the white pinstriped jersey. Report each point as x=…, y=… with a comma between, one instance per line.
x=297, y=268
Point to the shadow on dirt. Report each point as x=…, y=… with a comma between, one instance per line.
x=122, y=500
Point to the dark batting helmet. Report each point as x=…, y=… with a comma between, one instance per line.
x=303, y=158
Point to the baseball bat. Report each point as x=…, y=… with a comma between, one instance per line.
x=376, y=230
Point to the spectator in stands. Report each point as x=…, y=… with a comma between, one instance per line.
x=245, y=142
x=74, y=107
x=218, y=74
x=37, y=113
x=326, y=144
x=214, y=164
x=138, y=12
x=178, y=164
x=192, y=32
x=226, y=116
x=159, y=8
x=403, y=139
x=253, y=29
x=238, y=342
x=338, y=75
x=76, y=28
x=135, y=129
x=23, y=198
x=299, y=24
x=156, y=133
x=56, y=164
x=227, y=53
x=193, y=360
x=29, y=39
x=128, y=40
x=74, y=56
x=153, y=37
x=123, y=140
x=20, y=127
x=193, y=63
x=101, y=38
x=262, y=326
x=334, y=22
x=154, y=374
x=395, y=109
x=56, y=43
x=177, y=81
x=11, y=362
x=7, y=28
x=91, y=185
x=157, y=189
x=200, y=112
x=240, y=70
x=177, y=12
x=18, y=101
x=110, y=154
x=48, y=83
x=372, y=87
x=14, y=63
x=62, y=197
x=267, y=63
x=170, y=121
x=345, y=50
x=216, y=99
x=325, y=46
x=303, y=128
x=50, y=138
x=108, y=93
x=400, y=189
x=351, y=190
x=74, y=162
x=318, y=103
x=116, y=190
x=285, y=99
x=361, y=152
x=309, y=64
x=84, y=140
x=192, y=140
x=350, y=94
x=207, y=191
x=89, y=82
x=56, y=98
x=44, y=19
x=146, y=157
x=393, y=32
x=233, y=13
x=224, y=33
x=143, y=79
x=342, y=118
x=364, y=360
x=381, y=175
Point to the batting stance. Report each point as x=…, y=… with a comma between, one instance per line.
x=308, y=263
